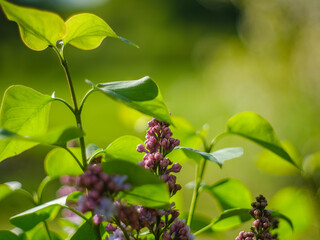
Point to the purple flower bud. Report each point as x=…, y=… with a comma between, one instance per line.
x=141, y=148
x=97, y=219
x=110, y=227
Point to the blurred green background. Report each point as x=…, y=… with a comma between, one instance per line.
x=211, y=58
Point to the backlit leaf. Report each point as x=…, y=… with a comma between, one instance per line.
x=38, y=28
x=7, y=188
x=24, y=111
x=59, y=162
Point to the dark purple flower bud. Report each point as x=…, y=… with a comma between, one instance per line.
x=141, y=148
x=110, y=227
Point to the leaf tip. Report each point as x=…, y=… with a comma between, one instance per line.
x=128, y=42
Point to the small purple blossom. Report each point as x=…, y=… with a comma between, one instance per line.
x=178, y=230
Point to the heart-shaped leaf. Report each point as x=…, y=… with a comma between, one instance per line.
x=58, y=137
x=85, y=232
x=230, y=193
x=25, y=112
x=142, y=95
x=38, y=29
x=147, y=189
x=311, y=164
x=59, y=162
x=252, y=126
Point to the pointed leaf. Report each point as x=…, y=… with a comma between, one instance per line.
x=230, y=193
x=142, y=95
x=59, y=162
x=24, y=111
x=125, y=148
x=58, y=137
x=38, y=29
x=197, y=154
x=87, y=31
x=257, y=129
x=32, y=217
x=147, y=189
x=273, y=164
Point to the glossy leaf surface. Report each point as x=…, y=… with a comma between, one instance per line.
x=59, y=162
x=24, y=111
x=257, y=129
x=230, y=193
x=38, y=29
x=142, y=95
x=125, y=148
x=147, y=189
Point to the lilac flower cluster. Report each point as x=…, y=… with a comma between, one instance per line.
x=262, y=224
x=157, y=145
x=178, y=230
x=100, y=191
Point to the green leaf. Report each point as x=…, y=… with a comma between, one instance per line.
x=59, y=162
x=85, y=232
x=38, y=29
x=218, y=157
x=231, y=218
x=273, y=164
x=230, y=193
x=32, y=217
x=296, y=204
x=197, y=154
x=58, y=137
x=142, y=95
x=7, y=235
x=87, y=31
x=40, y=233
x=147, y=189
x=24, y=111
x=7, y=188
x=125, y=148
x=311, y=164
x=225, y=154
x=257, y=129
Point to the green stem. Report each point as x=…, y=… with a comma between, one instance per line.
x=199, y=177
x=41, y=187
x=122, y=228
x=76, y=212
x=75, y=158
x=85, y=98
x=64, y=102
x=47, y=230
x=77, y=113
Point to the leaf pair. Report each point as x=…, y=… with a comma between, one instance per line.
x=40, y=29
